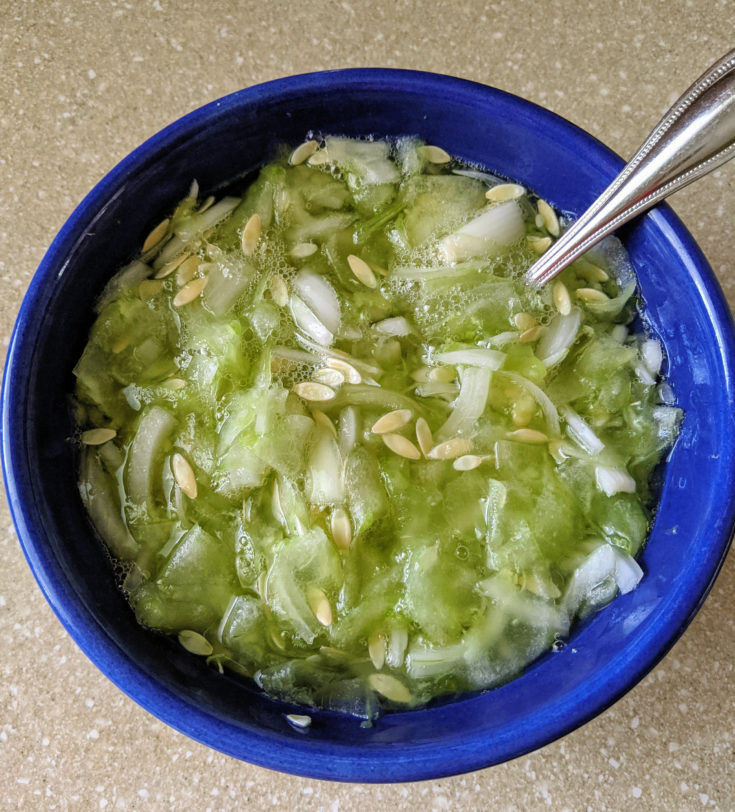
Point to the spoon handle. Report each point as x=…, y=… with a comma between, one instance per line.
x=694, y=137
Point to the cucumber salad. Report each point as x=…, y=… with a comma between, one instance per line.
x=335, y=443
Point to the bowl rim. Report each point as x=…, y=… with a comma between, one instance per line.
x=294, y=755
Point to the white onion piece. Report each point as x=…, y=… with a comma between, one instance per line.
x=667, y=419
x=489, y=359
x=130, y=275
x=369, y=160
x=295, y=355
x=319, y=295
x=558, y=337
x=497, y=226
x=613, y=480
x=307, y=321
x=644, y=376
x=104, y=507
x=501, y=339
x=493, y=180
x=602, y=573
x=543, y=400
x=396, y=648
x=325, y=472
x=652, y=355
x=360, y=365
x=628, y=573
x=666, y=394
x=427, y=661
x=277, y=507
x=395, y=326
x=470, y=403
x=580, y=432
x=348, y=430
x=225, y=617
x=212, y=215
x=153, y=429
x=350, y=333
x=594, y=581
x=437, y=389
x=192, y=227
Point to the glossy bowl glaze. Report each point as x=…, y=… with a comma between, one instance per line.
x=217, y=145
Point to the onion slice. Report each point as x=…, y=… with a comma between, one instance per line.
x=497, y=227
x=470, y=403
x=307, y=321
x=628, y=573
x=612, y=480
x=489, y=359
x=543, y=400
x=320, y=297
x=325, y=472
x=580, y=432
x=559, y=337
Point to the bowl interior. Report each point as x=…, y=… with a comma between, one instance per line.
x=218, y=145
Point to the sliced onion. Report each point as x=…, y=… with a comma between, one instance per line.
x=395, y=326
x=628, y=573
x=359, y=364
x=276, y=506
x=103, y=504
x=369, y=160
x=153, y=429
x=396, y=648
x=437, y=389
x=325, y=472
x=500, y=225
x=611, y=307
x=224, y=286
x=348, y=430
x=652, y=355
x=199, y=223
x=501, y=339
x=580, y=432
x=486, y=177
x=668, y=419
x=643, y=374
x=489, y=359
x=613, y=480
x=470, y=403
x=295, y=355
x=428, y=661
x=350, y=333
x=543, y=400
x=307, y=321
x=558, y=337
x=594, y=582
x=319, y=295
x=129, y=276
x=666, y=394
x=225, y=617
x=193, y=226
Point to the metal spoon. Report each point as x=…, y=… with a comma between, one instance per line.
x=696, y=136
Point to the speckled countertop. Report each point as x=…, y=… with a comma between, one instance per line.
x=83, y=84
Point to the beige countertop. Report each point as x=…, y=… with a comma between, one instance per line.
x=83, y=84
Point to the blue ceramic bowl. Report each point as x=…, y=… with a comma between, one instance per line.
x=218, y=144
